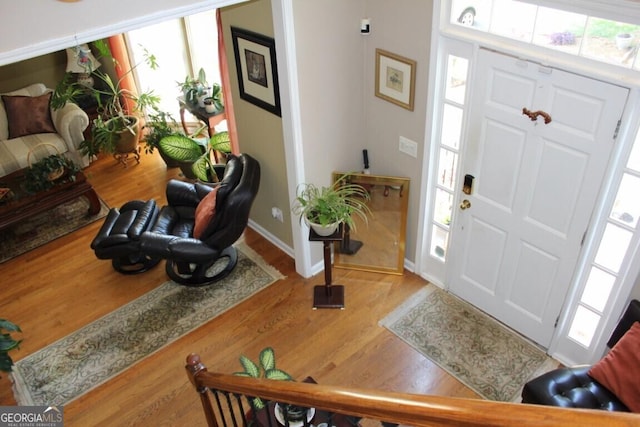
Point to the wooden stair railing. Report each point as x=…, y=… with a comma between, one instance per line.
x=230, y=406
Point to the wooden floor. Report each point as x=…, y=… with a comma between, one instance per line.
x=57, y=288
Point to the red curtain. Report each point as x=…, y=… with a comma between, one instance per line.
x=123, y=65
x=226, y=87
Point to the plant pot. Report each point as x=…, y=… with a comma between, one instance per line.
x=171, y=163
x=323, y=230
x=623, y=41
x=127, y=141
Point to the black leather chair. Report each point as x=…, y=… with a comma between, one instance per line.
x=119, y=237
x=204, y=260
x=572, y=387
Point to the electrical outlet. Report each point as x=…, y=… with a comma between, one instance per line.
x=276, y=213
x=409, y=147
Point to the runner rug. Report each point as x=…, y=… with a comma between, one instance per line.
x=64, y=370
x=47, y=226
x=480, y=352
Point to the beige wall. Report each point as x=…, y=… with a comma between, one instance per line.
x=259, y=131
x=47, y=69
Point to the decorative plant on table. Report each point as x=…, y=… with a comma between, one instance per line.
x=7, y=343
x=49, y=171
x=198, y=155
x=196, y=90
x=325, y=208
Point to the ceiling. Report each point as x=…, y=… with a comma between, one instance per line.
x=56, y=24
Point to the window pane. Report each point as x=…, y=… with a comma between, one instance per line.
x=439, y=238
x=613, y=247
x=610, y=41
x=559, y=30
x=471, y=13
x=598, y=288
x=165, y=41
x=513, y=19
x=203, y=40
x=584, y=326
x=451, y=126
x=456, y=79
x=447, y=168
x=444, y=201
x=627, y=205
x=634, y=158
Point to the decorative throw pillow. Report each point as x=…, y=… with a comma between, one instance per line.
x=619, y=370
x=27, y=115
x=205, y=211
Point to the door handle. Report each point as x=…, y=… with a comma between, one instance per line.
x=466, y=204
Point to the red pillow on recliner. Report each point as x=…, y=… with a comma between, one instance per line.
x=205, y=211
x=619, y=370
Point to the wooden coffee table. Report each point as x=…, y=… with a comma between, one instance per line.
x=24, y=204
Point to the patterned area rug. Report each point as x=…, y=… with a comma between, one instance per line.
x=476, y=349
x=47, y=226
x=66, y=369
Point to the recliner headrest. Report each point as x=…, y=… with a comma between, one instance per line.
x=230, y=179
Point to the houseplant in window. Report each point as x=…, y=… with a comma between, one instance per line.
x=196, y=157
x=325, y=208
x=158, y=125
x=115, y=130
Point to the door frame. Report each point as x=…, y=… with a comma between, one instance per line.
x=445, y=35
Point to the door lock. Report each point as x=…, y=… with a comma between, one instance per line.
x=466, y=204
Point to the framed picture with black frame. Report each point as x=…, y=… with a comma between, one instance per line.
x=257, y=72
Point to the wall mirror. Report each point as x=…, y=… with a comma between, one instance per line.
x=379, y=244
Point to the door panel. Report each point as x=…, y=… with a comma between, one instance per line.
x=514, y=250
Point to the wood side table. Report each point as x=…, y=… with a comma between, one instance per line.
x=327, y=295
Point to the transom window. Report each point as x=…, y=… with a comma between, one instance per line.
x=591, y=37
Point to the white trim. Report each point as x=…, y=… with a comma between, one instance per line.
x=283, y=22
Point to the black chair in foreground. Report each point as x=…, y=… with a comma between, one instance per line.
x=195, y=232
x=611, y=384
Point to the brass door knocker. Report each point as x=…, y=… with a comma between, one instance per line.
x=533, y=115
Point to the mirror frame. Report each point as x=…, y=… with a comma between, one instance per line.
x=347, y=262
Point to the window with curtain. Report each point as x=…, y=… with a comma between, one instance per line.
x=182, y=46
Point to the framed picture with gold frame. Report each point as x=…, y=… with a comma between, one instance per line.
x=395, y=78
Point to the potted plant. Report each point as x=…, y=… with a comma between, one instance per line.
x=196, y=157
x=7, y=343
x=197, y=90
x=265, y=368
x=158, y=125
x=46, y=172
x=115, y=130
x=325, y=208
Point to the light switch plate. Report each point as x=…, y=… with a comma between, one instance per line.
x=408, y=146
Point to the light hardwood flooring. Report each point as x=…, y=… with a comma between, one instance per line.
x=57, y=288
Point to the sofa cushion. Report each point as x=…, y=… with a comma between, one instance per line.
x=28, y=115
x=619, y=370
x=14, y=153
x=35, y=89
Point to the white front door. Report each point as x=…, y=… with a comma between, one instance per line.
x=515, y=247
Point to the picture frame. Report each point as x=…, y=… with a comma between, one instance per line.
x=395, y=78
x=255, y=56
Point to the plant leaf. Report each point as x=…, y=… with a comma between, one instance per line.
x=277, y=374
x=249, y=367
x=268, y=359
x=258, y=403
x=181, y=148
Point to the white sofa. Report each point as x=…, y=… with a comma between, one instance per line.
x=69, y=122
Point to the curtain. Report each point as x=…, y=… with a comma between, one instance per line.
x=122, y=67
x=226, y=87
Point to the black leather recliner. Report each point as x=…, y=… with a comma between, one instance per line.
x=572, y=387
x=211, y=257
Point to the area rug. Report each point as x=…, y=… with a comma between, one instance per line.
x=47, y=226
x=64, y=370
x=480, y=352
